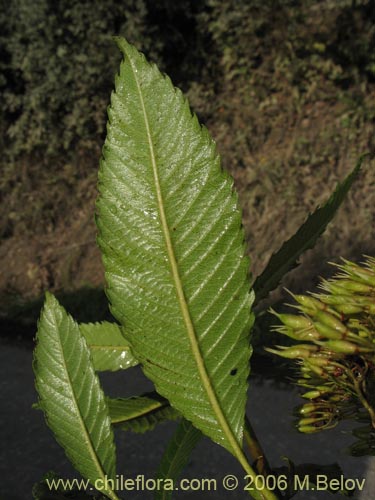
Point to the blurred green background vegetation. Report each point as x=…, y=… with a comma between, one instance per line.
x=286, y=87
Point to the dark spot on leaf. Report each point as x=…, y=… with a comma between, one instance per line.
x=233, y=372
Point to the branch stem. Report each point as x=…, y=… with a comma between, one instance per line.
x=255, y=450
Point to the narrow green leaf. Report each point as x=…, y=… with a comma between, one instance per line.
x=305, y=238
x=173, y=249
x=70, y=395
x=109, y=349
x=176, y=456
x=141, y=413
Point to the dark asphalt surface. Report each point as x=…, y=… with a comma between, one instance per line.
x=28, y=449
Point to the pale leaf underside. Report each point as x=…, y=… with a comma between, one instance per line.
x=140, y=413
x=109, y=349
x=173, y=249
x=70, y=395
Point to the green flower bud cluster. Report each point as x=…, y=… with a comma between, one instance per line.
x=335, y=353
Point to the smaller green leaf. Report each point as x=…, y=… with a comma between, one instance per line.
x=305, y=238
x=177, y=455
x=140, y=413
x=109, y=349
x=71, y=397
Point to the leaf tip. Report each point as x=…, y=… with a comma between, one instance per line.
x=125, y=47
x=121, y=42
x=49, y=297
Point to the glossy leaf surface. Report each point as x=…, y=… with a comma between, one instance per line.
x=109, y=349
x=140, y=413
x=70, y=395
x=173, y=249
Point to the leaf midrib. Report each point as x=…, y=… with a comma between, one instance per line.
x=97, y=463
x=206, y=382
x=109, y=347
x=146, y=412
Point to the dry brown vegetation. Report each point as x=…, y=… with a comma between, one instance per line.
x=288, y=128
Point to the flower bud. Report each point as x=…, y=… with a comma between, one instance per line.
x=330, y=320
x=318, y=408
x=327, y=332
x=296, y=322
x=317, y=393
x=347, y=309
x=344, y=304
x=318, y=360
x=318, y=370
x=308, y=421
x=306, y=409
x=308, y=429
x=294, y=352
x=363, y=274
x=310, y=303
x=306, y=334
x=304, y=382
x=342, y=346
x=347, y=286
x=345, y=347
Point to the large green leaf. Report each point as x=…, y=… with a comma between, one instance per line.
x=109, y=349
x=71, y=397
x=140, y=413
x=173, y=249
x=177, y=455
x=285, y=259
